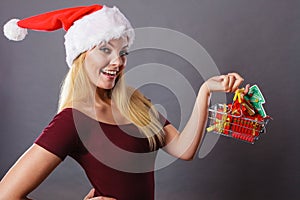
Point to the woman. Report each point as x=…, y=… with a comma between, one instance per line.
x=96, y=105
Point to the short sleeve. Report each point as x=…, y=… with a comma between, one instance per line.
x=163, y=120
x=60, y=136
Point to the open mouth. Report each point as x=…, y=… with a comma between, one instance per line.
x=109, y=73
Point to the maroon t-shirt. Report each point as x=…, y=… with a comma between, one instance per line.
x=116, y=159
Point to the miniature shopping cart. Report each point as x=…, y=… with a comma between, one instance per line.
x=221, y=120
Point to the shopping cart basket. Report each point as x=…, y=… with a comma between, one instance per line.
x=223, y=122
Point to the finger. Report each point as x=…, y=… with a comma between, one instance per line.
x=231, y=83
x=236, y=85
x=225, y=83
x=90, y=194
x=238, y=81
x=236, y=75
x=247, y=89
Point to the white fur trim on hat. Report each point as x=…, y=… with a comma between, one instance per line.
x=91, y=30
x=13, y=32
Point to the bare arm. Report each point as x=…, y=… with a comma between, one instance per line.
x=27, y=173
x=185, y=144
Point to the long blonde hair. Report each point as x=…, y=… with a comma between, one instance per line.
x=131, y=103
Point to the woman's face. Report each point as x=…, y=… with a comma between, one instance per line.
x=104, y=62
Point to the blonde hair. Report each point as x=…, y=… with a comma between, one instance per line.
x=131, y=103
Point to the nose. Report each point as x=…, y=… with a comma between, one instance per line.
x=117, y=61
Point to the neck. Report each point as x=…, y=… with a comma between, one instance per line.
x=102, y=96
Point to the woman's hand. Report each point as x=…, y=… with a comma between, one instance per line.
x=225, y=83
x=90, y=196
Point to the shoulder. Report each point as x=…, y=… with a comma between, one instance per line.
x=66, y=120
x=62, y=121
x=70, y=113
x=66, y=112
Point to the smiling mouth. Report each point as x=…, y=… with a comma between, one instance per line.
x=110, y=73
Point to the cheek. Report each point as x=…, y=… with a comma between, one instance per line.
x=124, y=61
x=95, y=60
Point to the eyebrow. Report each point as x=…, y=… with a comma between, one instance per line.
x=114, y=46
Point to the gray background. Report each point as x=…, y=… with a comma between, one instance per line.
x=257, y=38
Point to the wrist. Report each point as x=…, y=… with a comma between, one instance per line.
x=204, y=90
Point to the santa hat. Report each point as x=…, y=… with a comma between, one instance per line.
x=86, y=27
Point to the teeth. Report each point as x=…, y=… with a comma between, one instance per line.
x=110, y=72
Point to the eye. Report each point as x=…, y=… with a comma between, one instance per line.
x=105, y=50
x=123, y=53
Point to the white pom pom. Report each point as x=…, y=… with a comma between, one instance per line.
x=13, y=32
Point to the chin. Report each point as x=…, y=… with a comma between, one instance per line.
x=106, y=87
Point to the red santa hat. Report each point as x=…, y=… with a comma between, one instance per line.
x=86, y=27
